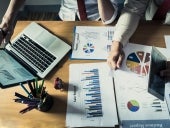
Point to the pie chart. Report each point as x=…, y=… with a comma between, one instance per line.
x=88, y=48
x=138, y=62
x=133, y=105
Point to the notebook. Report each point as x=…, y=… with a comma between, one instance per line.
x=32, y=53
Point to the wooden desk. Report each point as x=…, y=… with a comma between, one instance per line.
x=148, y=33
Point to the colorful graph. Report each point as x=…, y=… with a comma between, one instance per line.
x=139, y=62
x=88, y=48
x=133, y=105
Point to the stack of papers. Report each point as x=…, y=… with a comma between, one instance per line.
x=137, y=107
x=91, y=93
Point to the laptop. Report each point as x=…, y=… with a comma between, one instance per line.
x=32, y=53
x=156, y=85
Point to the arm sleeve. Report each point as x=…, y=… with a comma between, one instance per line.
x=128, y=21
x=108, y=10
x=113, y=17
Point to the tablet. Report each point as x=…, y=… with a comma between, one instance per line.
x=156, y=84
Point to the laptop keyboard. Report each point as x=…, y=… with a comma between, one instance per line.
x=33, y=52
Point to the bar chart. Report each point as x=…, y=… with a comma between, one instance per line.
x=92, y=93
x=89, y=94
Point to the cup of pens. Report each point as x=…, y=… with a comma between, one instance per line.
x=37, y=98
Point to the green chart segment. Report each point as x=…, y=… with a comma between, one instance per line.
x=138, y=62
x=133, y=105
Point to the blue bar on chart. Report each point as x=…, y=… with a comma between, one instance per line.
x=92, y=93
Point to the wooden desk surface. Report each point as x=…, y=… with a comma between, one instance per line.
x=147, y=33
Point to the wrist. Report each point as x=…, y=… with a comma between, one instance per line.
x=8, y=18
x=7, y=25
x=7, y=22
x=117, y=45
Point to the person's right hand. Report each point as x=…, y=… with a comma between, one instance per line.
x=116, y=55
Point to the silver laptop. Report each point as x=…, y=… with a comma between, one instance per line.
x=33, y=53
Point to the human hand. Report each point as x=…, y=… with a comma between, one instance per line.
x=6, y=30
x=116, y=55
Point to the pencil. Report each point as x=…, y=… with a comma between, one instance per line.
x=31, y=88
x=36, y=85
x=29, y=108
x=21, y=96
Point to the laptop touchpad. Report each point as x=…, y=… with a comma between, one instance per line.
x=47, y=40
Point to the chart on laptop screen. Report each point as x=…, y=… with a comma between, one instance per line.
x=11, y=71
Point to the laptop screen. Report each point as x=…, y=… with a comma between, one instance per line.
x=11, y=72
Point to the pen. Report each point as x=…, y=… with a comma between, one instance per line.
x=25, y=90
x=36, y=85
x=41, y=86
x=21, y=96
x=31, y=88
x=25, y=101
x=42, y=83
x=29, y=108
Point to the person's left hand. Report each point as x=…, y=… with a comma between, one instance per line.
x=6, y=30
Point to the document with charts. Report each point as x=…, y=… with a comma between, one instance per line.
x=167, y=41
x=92, y=42
x=91, y=100
x=137, y=107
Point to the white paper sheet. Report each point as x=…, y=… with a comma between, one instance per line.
x=92, y=42
x=167, y=41
x=91, y=99
x=131, y=83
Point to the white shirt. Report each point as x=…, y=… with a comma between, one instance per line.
x=69, y=10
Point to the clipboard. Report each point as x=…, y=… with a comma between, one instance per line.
x=92, y=42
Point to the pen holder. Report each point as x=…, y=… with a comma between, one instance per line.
x=37, y=97
x=45, y=103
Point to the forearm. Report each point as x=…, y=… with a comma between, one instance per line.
x=107, y=10
x=129, y=20
x=8, y=22
x=125, y=27
x=13, y=9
